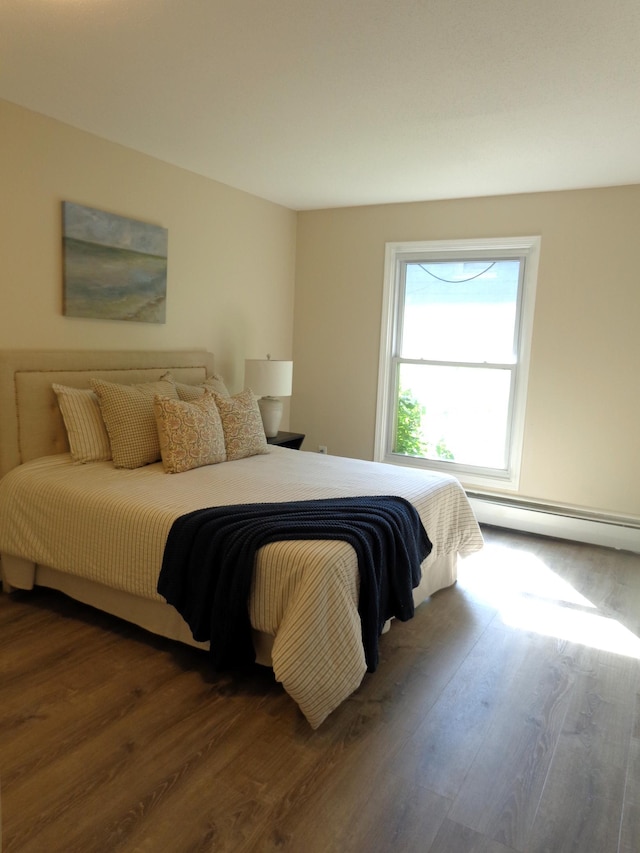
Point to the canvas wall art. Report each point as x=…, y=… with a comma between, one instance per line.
x=114, y=268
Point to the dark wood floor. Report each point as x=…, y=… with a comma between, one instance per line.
x=504, y=717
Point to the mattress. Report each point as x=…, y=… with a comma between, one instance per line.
x=110, y=525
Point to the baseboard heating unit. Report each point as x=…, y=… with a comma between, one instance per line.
x=560, y=522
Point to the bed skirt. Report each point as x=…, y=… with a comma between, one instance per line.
x=160, y=618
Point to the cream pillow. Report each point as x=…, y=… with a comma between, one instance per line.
x=127, y=411
x=194, y=392
x=242, y=425
x=190, y=433
x=87, y=434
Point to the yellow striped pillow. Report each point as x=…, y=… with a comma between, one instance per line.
x=87, y=434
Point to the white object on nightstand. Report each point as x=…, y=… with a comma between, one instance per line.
x=269, y=379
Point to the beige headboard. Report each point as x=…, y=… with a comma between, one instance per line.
x=30, y=421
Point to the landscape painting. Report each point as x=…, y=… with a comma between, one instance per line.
x=114, y=268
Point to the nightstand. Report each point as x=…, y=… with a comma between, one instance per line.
x=287, y=439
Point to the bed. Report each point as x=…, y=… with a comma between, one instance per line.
x=97, y=532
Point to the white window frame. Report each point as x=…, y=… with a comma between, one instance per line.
x=525, y=248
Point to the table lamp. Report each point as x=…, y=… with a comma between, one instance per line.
x=269, y=379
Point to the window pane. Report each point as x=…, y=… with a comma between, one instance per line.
x=460, y=310
x=457, y=414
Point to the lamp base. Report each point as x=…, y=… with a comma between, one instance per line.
x=271, y=411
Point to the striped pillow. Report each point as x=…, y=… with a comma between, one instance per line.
x=87, y=434
x=127, y=411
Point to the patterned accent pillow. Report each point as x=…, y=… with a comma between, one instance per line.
x=190, y=433
x=242, y=425
x=128, y=415
x=194, y=392
x=87, y=434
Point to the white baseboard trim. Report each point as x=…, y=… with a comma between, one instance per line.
x=558, y=522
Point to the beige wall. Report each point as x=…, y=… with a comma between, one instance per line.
x=231, y=256
x=583, y=412
x=231, y=290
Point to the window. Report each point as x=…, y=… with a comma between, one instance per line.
x=454, y=356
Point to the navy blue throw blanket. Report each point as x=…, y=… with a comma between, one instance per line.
x=209, y=558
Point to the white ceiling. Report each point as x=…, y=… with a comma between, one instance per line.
x=326, y=103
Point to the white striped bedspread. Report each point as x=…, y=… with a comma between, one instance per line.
x=110, y=525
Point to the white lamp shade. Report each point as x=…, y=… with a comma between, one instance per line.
x=268, y=378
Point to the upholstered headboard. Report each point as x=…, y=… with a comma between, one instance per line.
x=30, y=421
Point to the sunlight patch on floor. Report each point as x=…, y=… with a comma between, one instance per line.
x=532, y=597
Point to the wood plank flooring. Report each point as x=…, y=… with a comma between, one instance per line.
x=504, y=717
